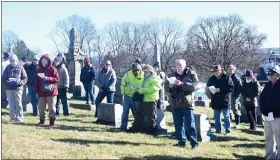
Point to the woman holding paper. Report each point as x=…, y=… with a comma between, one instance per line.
x=250, y=93
x=14, y=77
x=46, y=88
x=219, y=87
x=270, y=108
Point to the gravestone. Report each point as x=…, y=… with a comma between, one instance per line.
x=160, y=122
x=110, y=112
x=203, y=128
x=26, y=101
x=74, y=59
x=118, y=98
x=83, y=106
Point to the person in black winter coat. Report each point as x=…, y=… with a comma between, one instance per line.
x=270, y=108
x=87, y=77
x=250, y=93
x=235, y=100
x=220, y=100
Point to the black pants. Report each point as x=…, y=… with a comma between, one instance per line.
x=145, y=110
x=252, y=115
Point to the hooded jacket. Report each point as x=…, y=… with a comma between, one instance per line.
x=150, y=88
x=16, y=72
x=63, y=76
x=52, y=77
x=130, y=82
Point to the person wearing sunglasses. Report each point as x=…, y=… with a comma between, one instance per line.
x=106, y=82
x=270, y=108
x=250, y=92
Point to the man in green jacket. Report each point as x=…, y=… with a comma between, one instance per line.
x=150, y=90
x=131, y=81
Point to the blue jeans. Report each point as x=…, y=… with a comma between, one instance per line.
x=101, y=96
x=33, y=99
x=217, y=117
x=127, y=104
x=186, y=114
x=89, y=89
x=62, y=96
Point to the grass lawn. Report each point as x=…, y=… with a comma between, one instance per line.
x=78, y=137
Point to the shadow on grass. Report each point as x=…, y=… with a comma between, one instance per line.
x=4, y=113
x=81, y=115
x=247, y=157
x=87, y=142
x=160, y=157
x=229, y=138
x=260, y=133
x=251, y=145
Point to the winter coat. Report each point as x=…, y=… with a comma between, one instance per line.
x=270, y=99
x=63, y=76
x=31, y=71
x=182, y=96
x=150, y=88
x=161, y=75
x=106, y=80
x=52, y=78
x=87, y=74
x=130, y=82
x=222, y=99
x=251, y=90
x=237, y=88
x=16, y=72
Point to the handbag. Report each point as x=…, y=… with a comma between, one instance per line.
x=47, y=86
x=138, y=97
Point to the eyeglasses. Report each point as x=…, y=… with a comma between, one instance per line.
x=271, y=74
x=108, y=64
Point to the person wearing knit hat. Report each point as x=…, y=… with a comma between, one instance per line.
x=87, y=77
x=250, y=92
x=150, y=90
x=131, y=80
x=14, y=77
x=270, y=108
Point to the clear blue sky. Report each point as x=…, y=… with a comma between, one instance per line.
x=33, y=21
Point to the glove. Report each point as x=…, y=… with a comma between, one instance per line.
x=108, y=89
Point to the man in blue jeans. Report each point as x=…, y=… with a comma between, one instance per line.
x=221, y=86
x=132, y=80
x=31, y=74
x=63, y=85
x=181, y=95
x=106, y=82
x=87, y=77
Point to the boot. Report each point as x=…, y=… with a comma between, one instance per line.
x=52, y=122
x=42, y=121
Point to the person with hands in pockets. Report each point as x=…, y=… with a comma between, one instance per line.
x=46, y=87
x=14, y=77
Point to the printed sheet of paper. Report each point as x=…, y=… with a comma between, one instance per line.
x=41, y=75
x=270, y=117
x=212, y=89
x=171, y=80
x=12, y=79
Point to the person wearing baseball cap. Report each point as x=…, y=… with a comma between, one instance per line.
x=270, y=108
x=132, y=80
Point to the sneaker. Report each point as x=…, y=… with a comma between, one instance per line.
x=180, y=145
x=87, y=103
x=218, y=132
x=237, y=126
x=194, y=147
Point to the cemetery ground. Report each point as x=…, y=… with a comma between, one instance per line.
x=78, y=137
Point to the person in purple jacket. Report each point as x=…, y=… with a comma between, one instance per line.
x=14, y=77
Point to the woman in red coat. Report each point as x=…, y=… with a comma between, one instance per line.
x=46, y=88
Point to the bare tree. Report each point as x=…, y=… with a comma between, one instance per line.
x=85, y=30
x=9, y=40
x=221, y=40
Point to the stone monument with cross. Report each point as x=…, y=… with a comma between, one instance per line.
x=75, y=62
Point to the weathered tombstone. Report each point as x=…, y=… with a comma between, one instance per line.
x=110, y=112
x=160, y=122
x=26, y=102
x=118, y=98
x=75, y=63
x=203, y=128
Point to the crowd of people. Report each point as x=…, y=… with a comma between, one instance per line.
x=144, y=88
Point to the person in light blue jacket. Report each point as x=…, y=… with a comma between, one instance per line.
x=106, y=82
